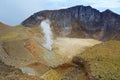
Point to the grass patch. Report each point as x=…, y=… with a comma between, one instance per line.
x=104, y=60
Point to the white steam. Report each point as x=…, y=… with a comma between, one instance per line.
x=45, y=25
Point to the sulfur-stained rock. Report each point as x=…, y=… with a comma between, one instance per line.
x=70, y=47
x=16, y=54
x=39, y=68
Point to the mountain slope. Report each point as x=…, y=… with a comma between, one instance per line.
x=102, y=62
x=79, y=21
x=2, y=25
x=22, y=47
x=12, y=73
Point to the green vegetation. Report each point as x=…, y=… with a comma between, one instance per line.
x=10, y=34
x=104, y=60
x=51, y=75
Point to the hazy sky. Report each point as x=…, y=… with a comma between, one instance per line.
x=13, y=12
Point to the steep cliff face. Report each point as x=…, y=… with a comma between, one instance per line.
x=79, y=21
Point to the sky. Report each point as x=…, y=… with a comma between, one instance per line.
x=13, y=12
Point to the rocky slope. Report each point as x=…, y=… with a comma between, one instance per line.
x=12, y=73
x=22, y=47
x=79, y=21
x=69, y=59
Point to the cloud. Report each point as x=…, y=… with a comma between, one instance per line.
x=104, y=3
x=57, y=0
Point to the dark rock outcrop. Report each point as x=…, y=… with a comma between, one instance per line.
x=80, y=21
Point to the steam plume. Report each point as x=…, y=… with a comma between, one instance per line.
x=45, y=25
